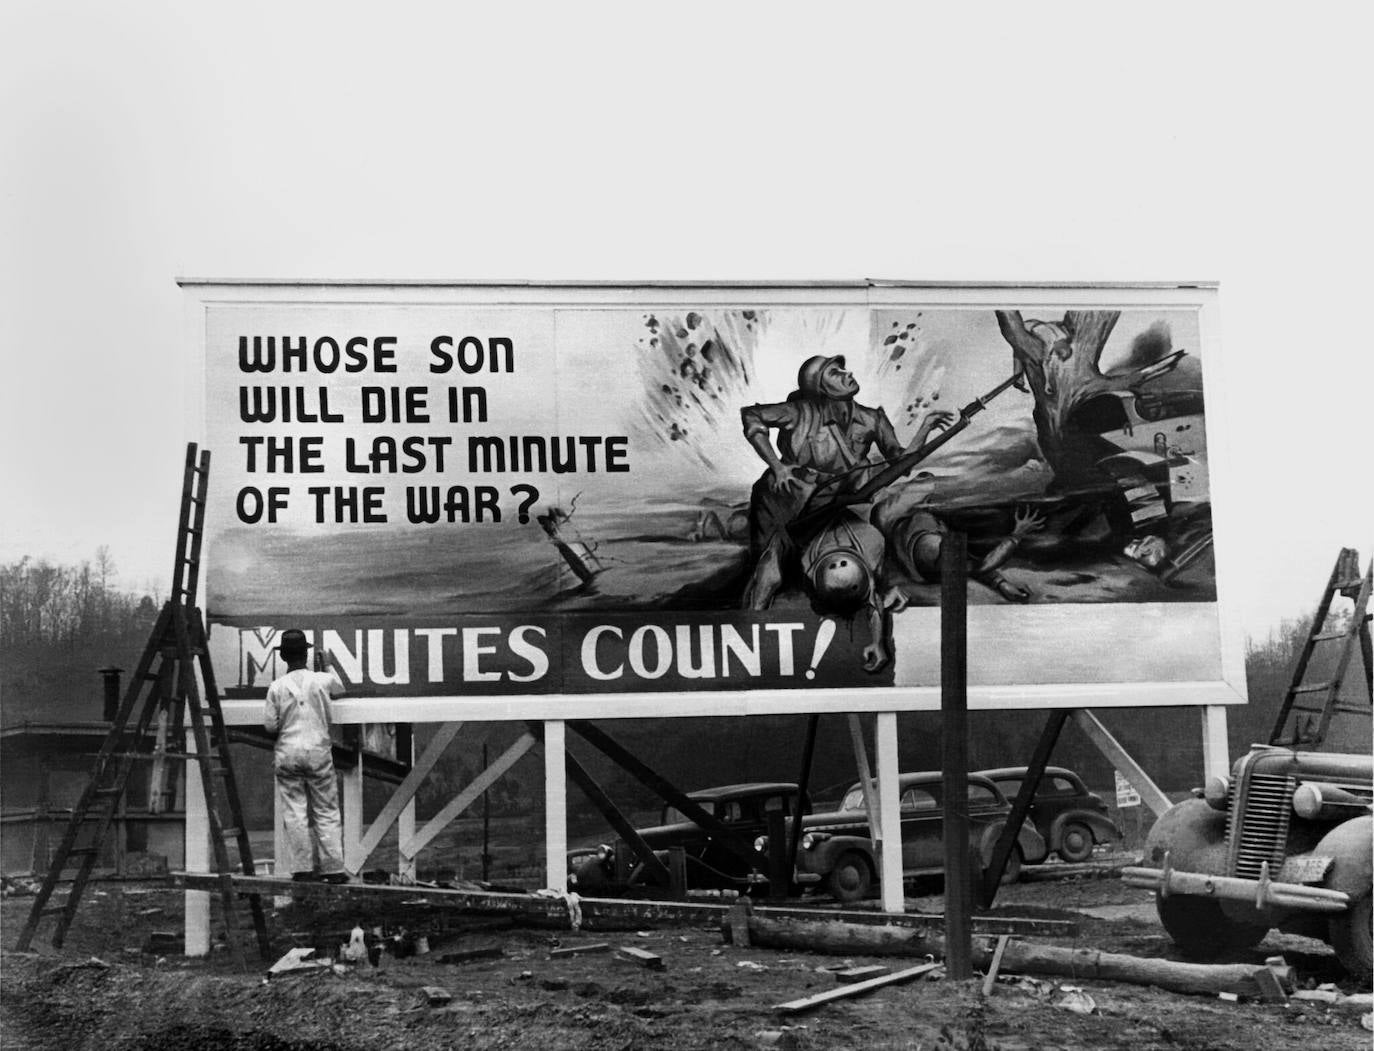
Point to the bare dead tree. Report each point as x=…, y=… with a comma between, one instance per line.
x=1060, y=362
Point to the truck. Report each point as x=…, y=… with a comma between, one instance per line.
x=1286, y=841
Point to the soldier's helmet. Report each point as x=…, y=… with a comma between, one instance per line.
x=841, y=582
x=809, y=375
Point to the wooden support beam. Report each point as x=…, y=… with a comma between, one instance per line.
x=1020, y=807
x=803, y=785
x=618, y=913
x=1108, y=745
x=623, y=826
x=856, y=740
x=468, y=795
x=724, y=836
x=406, y=790
x=954, y=752
x=857, y=989
x=405, y=820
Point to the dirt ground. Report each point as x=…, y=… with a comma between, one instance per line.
x=115, y=986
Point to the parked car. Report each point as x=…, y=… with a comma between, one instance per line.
x=743, y=808
x=836, y=848
x=1071, y=819
x=1287, y=841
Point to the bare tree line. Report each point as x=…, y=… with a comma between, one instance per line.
x=47, y=603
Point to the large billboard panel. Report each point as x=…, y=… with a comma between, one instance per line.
x=737, y=494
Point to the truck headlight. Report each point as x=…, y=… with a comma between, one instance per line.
x=813, y=839
x=605, y=852
x=761, y=844
x=1216, y=791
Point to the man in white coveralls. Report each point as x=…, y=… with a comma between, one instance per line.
x=298, y=714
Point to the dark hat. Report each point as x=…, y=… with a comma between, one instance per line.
x=293, y=641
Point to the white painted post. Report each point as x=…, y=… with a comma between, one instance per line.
x=890, y=819
x=1216, y=754
x=555, y=806
x=197, y=835
x=353, y=810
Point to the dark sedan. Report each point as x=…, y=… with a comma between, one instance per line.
x=837, y=847
x=744, y=810
x=1070, y=818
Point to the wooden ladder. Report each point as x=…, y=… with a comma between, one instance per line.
x=164, y=684
x=1307, y=707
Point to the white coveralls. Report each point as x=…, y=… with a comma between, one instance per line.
x=298, y=713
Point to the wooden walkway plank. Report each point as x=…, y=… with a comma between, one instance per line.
x=858, y=989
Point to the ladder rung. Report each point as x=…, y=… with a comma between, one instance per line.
x=83, y=851
x=1314, y=688
x=1302, y=709
x=1330, y=636
x=53, y=910
x=1353, y=709
x=230, y=833
x=109, y=790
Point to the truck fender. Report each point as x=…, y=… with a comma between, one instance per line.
x=1192, y=834
x=1351, y=844
x=1102, y=826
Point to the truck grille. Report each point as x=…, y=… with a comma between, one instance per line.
x=1263, y=833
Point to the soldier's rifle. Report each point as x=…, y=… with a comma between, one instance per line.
x=810, y=518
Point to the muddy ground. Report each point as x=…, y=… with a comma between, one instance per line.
x=115, y=987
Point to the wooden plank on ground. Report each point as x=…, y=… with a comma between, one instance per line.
x=643, y=957
x=993, y=967
x=579, y=950
x=850, y=975
x=857, y=989
x=487, y=952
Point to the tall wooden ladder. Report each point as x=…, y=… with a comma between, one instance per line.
x=164, y=685
x=1308, y=706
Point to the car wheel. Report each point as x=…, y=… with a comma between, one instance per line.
x=1352, y=933
x=1201, y=930
x=851, y=879
x=1076, y=842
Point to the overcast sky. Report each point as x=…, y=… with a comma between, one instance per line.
x=142, y=142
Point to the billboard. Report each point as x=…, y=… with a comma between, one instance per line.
x=589, y=500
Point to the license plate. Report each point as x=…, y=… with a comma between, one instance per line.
x=1304, y=870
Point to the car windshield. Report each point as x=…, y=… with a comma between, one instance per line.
x=853, y=799
x=980, y=794
x=673, y=816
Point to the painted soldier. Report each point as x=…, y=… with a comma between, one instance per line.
x=824, y=442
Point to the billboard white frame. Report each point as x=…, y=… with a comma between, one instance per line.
x=1225, y=689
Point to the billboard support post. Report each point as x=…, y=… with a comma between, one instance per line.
x=954, y=752
x=889, y=815
x=1216, y=755
x=555, y=807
